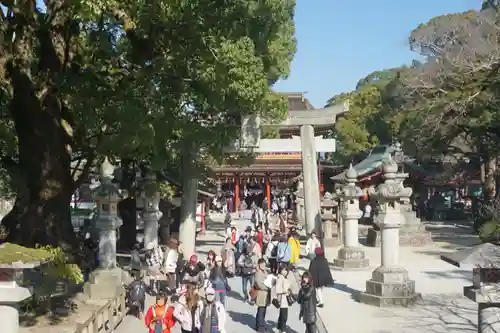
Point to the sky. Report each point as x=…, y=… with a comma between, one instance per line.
x=342, y=41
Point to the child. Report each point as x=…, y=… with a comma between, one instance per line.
x=160, y=316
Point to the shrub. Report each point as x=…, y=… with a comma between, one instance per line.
x=60, y=268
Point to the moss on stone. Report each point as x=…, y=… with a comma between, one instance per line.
x=11, y=253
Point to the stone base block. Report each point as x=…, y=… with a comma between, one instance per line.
x=103, y=284
x=390, y=286
x=334, y=241
x=351, y=258
x=409, y=235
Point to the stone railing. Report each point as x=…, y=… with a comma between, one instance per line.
x=107, y=318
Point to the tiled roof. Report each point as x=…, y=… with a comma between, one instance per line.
x=297, y=101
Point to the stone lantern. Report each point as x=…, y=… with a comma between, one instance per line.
x=390, y=284
x=15, y=262
x=412, y=232
x=328, y=217
x=484, y=260
x=108, y=276
x=351, y=256
x=151, y=210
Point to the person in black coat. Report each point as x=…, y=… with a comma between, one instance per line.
x=307, y=301
x=320, y=274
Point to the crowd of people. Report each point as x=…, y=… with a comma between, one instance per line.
x=194, y=294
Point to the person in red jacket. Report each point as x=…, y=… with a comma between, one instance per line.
x=160, y=317
x=259, y=238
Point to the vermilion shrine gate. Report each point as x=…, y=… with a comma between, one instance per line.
x=278, y=163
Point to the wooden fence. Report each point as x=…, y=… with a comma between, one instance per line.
x=108, y=317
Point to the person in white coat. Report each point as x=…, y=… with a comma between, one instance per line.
x=186, y=310
x=170, y=263
x=311, y=245
x=283, y=289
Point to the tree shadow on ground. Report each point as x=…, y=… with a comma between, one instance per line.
x=51, y=310
x=215, y=243
x=433, y=314
x=346, y=289
x=457, y=234
x=247, y=319
x=235, y=295
x=454, y=274
x=216, y=226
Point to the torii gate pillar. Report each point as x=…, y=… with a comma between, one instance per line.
x=305, y=120
x=312, y=201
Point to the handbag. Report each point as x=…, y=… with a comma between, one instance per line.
x=276, y=303
x=253, y=294
x=290, y=299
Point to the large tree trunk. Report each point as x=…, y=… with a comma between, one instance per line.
x=127, y=208
x=490, y=184
x=187, y=227
x=43, y=212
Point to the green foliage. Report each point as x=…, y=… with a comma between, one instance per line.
x=270, y=133
x=362, y=127
x=445, y=105
x=166, y=190
x=10, y=253
x=135, y=79
x=59, y=266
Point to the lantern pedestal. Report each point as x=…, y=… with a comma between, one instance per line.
x=331, y=232
x=484, y=292
x=409, y=235
x=151, y=212
x=390, y=286
x=105, y=280
x=103, y=283
x=351, y=258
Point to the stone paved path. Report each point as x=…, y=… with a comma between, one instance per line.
x=443, y=309
x=241, y=315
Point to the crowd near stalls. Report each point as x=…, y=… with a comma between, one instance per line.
x=192, y=292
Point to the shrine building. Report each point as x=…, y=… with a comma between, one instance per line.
x=271, y=174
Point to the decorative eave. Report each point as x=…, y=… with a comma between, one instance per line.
x=265, y=168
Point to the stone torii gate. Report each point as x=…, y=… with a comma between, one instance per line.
x=307, y=144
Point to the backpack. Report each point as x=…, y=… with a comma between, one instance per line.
x=274, y=251
x=240, y=244
x=286, y=255
x=169, y=312
x=137, y=292
x=247, y=268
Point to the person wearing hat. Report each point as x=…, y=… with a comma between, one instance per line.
x=194, y=273
x=159, y=317
x=212, y=315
